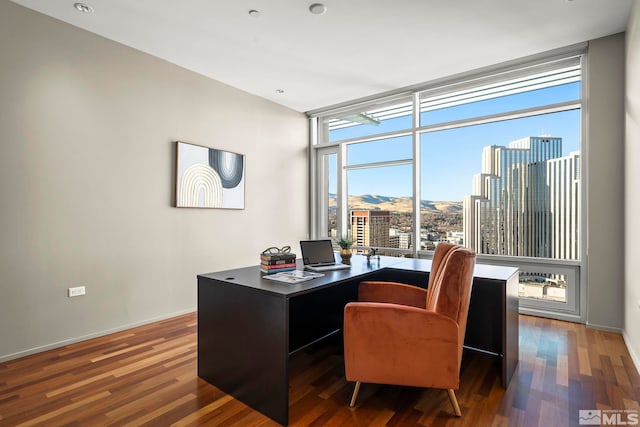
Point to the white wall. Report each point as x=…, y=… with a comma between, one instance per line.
x=605, y=182
x=632, y=187
x=87, y=128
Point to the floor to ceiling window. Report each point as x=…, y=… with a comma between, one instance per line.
x=491, y=162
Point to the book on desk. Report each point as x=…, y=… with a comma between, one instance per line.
x=273, y=263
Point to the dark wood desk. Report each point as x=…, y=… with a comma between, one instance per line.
x=249, y=326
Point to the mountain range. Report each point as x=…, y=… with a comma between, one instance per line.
x=398, y=204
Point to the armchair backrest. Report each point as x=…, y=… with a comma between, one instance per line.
x=450, y=284
x=437, y=265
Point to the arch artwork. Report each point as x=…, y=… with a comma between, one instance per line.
x=209, y=178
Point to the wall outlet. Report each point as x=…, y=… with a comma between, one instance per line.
x=77, y=291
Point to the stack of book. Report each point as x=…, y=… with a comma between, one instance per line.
x=277, y=262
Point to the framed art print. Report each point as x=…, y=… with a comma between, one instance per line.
x=209, y=178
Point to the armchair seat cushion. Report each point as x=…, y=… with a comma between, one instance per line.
x=398, y=344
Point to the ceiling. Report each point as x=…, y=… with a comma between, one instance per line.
x=357, y=48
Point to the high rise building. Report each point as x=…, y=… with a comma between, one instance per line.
x=525, y=201
x=370, y=228
x=399, y=239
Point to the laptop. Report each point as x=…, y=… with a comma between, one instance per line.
x=317, y=255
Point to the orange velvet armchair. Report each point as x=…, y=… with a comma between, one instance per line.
x=405, y=335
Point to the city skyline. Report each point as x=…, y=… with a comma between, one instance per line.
x=528, y=179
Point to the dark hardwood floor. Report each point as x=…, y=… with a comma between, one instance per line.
x=147, y=376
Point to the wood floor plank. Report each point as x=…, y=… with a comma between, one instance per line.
x=562, y=371
x=148, y=376
x=192, y=419
x=47, y=418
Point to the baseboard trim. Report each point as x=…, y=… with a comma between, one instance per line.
x=634, y=356
x=575, y=318
x=51, y=346
x=604, y=328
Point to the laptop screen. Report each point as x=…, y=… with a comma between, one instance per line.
x=317, y=252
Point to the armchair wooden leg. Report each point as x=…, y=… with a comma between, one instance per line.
x=355, y=394
x=454, y=403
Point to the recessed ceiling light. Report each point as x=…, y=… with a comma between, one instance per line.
x=254, y=13
x=84, y=8
x=317, y=8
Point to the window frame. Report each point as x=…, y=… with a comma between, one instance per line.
x=573, y=308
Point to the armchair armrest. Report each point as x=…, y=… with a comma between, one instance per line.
x=392, y=292
x=397, y=344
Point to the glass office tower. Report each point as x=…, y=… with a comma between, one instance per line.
x=525, y=201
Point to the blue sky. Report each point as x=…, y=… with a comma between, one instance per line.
x=450, y=158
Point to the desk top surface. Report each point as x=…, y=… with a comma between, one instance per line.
x=253, y=278
x=481, y=271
